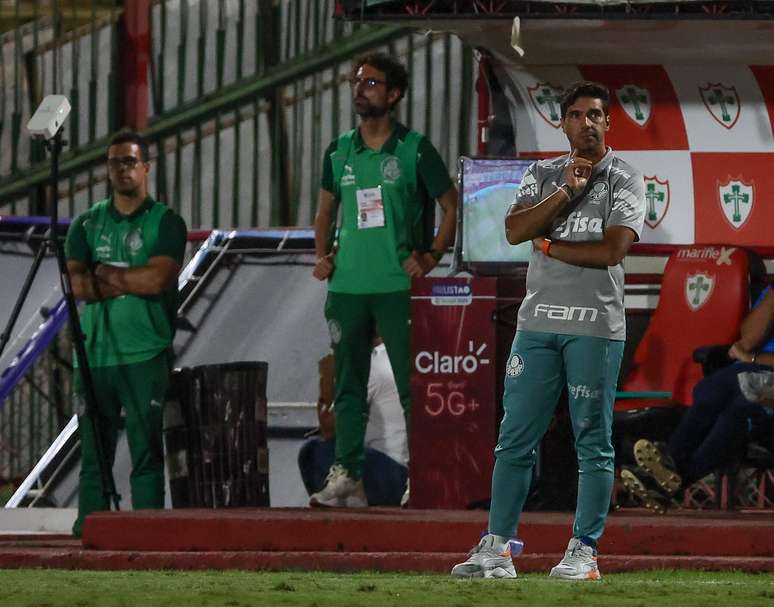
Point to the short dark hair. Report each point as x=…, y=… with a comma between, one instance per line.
x=128, y=136
x=585, y=88
x=395, y=73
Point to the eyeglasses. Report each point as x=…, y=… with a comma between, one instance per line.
x=368, y=83
x=127, y=162
x=594, y=115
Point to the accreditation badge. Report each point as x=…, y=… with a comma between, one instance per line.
x=370, y=208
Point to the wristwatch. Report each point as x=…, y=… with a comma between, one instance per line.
x=567, y=190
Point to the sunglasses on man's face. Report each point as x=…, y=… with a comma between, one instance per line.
x=127, y=162
x=368, y=83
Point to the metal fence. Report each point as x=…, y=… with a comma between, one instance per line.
x=34, y=414
x=68, y=48
x=244, y=97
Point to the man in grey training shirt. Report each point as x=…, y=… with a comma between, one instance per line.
x=582, y=212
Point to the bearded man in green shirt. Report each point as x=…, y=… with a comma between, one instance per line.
x=386, y=179
x=123, y=257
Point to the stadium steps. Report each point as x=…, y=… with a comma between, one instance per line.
x=386, y=540
x=394, y=530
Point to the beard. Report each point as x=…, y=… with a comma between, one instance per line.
x=365, y=109
x=130, y=190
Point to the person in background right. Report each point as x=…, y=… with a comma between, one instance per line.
x=730, y=408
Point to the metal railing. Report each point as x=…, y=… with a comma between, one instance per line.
x=34, y=414
x=70, y=48
x=240, y=112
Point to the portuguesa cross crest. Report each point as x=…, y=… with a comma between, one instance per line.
x=736, y=201
x=547, y=100
x=722, y=102
x=656, y=200
x=698, y=288
x=636, y=103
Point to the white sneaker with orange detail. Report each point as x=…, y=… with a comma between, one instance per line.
x=579, y=563
x=490, y=559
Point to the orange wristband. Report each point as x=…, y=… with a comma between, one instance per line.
x=546, y=247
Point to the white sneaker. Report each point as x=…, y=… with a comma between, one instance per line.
x=404, y=501
x=340, y=491
x=490, y=559
x=579, y=563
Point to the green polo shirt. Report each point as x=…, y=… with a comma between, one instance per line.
x=371, y=260
x=130, y=328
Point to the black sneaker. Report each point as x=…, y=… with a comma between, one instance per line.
x=645, y=490
x=657, y=466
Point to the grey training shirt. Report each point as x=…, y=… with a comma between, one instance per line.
x=567, y=299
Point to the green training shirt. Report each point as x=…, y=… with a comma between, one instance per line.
x=371, y=260
x=130, y=328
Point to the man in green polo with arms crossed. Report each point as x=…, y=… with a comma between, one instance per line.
x=386, y=179
x=123, y=256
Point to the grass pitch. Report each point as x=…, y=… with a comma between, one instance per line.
x=44, y=587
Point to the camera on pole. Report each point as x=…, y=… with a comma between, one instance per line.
x=50, y=116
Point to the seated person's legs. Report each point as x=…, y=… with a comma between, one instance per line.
x=728, y=438
x=713, y=432
x=711, y=396
x=384, y=479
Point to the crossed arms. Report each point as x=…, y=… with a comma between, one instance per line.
x=106, y=282
x=534, y=221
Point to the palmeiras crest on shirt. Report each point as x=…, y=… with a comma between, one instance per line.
x=736, y=198
x=599, y=192
x=656, y=200
x=390, y=169
x=133, y=240
x=636, y=102
x=698, y=289
x=722, y=102
x=547, y=100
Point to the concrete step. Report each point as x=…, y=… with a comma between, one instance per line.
x=387, y=530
